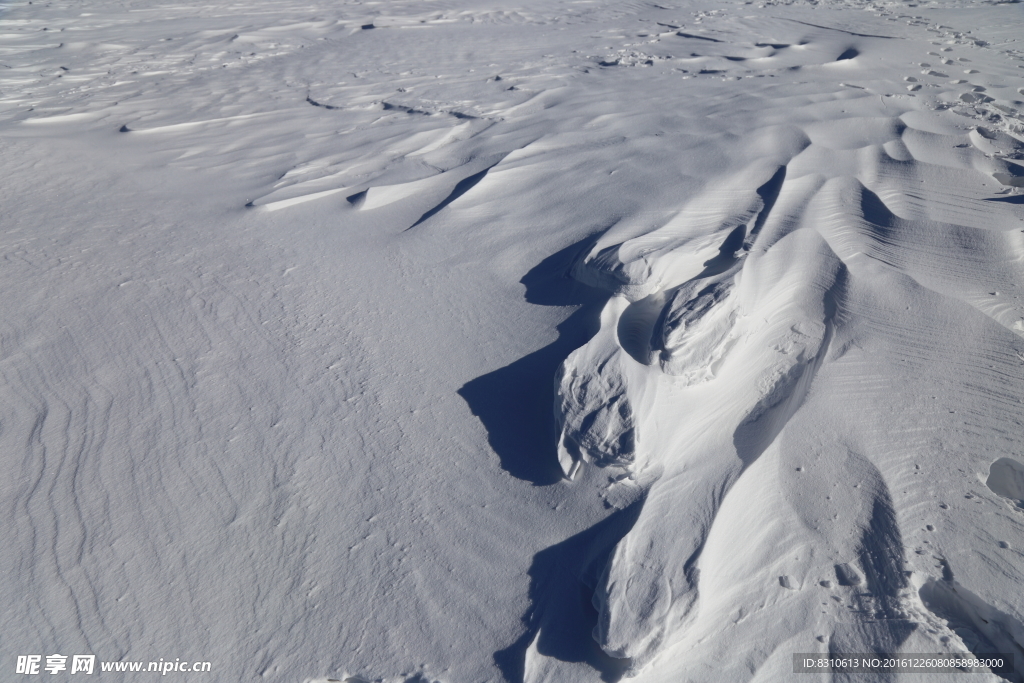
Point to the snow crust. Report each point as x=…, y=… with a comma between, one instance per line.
x=563, y=341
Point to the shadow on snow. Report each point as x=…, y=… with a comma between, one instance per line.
x=516, y=403
x=561, y=618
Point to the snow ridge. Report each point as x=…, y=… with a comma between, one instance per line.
x=704, y=379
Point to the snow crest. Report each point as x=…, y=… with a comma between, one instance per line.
x=732, y=371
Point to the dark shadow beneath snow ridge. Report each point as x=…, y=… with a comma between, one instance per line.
x=562, y=617
x=516, y=403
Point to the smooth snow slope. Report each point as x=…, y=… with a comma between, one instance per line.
x=442, y=341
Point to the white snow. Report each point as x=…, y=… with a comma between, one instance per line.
x=558, y=341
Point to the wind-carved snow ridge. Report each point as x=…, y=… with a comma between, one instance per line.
x=755, y=325
x=701, y=388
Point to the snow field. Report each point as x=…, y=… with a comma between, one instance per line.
x=288, y=286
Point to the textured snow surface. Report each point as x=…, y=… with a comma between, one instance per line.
x=443, y=341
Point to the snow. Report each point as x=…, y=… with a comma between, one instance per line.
x=563, y=341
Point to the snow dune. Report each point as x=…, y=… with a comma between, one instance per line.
x=557, y=342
